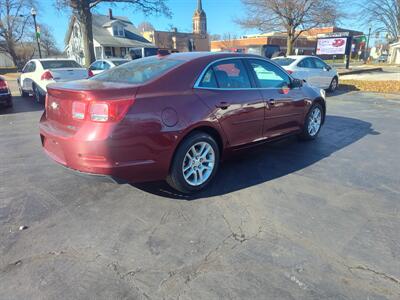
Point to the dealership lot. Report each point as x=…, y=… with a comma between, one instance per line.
x=291, y=220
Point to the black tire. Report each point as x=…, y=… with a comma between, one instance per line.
x=37, y=95
x=334, y=85
x=22, y=92
x=176, y=177
x=305, y=134
x=9, y=104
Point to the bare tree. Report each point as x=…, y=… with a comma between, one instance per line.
x=145, y=26
x=47, y=41
x=384, y=15
x=15, y=24
x=292, y=16
x=82, y=10
x=215, y=37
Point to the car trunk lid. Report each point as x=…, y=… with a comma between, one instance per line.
x=61, y=96
x=67, y=74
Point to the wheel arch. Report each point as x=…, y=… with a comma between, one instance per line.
x=322, y=102
x=207, y=128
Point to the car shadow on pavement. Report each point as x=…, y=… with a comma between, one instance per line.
x=21, y=105
x=270, y=161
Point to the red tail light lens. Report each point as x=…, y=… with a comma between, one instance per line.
x=47, y=76
x=78, y=110
x=3, y=84
x=101, y=111
x=90, y=73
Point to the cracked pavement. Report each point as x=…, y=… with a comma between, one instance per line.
x=290, y=220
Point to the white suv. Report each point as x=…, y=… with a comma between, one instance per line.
x=38, y=73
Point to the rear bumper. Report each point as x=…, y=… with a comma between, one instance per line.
x=5, y=98
x=101, y=157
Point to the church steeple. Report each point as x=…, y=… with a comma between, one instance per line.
x=199, y=19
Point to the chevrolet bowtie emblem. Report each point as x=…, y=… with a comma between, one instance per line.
x=54, y=105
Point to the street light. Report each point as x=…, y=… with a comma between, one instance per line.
x=33, y=13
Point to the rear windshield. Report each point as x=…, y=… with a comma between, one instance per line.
x=58, y=64
x=283, y=61
x=119, y=62
x=139, y=70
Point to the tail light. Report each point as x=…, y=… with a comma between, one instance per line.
x=78, y=110
x=101, y=111
x=47, y=76
x=3, y=84
x=289, y=71
x=90, y=73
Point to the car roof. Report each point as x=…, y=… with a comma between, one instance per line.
x=189, y=56
x=56, y=58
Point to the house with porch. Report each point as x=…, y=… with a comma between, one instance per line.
x=113, y=36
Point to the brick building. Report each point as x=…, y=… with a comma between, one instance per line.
x=305, y=44
x=174, y=40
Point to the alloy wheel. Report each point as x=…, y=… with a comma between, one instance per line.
x=314, y=122
x=198, y=164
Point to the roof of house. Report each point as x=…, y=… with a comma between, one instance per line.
x=102, y=35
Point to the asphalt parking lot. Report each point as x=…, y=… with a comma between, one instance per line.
x=290, y=220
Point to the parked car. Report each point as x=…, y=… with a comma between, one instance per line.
x=312, y=69
x=135, y=53
x=105, y=64
x=382, y=58
x=175, y=116
x=5, y=94
x=38, y=73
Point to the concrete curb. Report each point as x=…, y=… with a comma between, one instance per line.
x=350, y=72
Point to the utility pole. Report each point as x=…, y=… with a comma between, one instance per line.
x=33, y=13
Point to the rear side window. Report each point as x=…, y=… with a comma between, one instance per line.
x=139, y=71
x=59, y=64
x=209, y=80
x=231, y=74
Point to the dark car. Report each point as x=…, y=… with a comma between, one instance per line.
x=176, y=116
x=5, y=94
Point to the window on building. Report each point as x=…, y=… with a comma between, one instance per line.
x=108, y=51
x=118, y=30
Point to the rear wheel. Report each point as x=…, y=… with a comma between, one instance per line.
x=37, y=95
x=313, y=122
x=334, y=85
x=9, y=103
x=22, y=92
x=195, y=163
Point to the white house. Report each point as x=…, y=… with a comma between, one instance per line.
x=394, y=53
x=113, y=36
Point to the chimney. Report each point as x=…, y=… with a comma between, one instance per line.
x=110, y=15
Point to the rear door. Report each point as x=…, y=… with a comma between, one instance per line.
x=285, y=107
x=227, y=89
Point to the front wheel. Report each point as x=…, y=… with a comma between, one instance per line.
x=195, y=163
x=334, y=85
x=313, y=122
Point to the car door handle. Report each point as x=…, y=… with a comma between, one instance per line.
x=222, y=105
x=271, y=102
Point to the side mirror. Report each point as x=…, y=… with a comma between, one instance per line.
x=328, y=68
x=296, y=83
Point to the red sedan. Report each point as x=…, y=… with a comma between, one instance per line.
x=175, y=116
